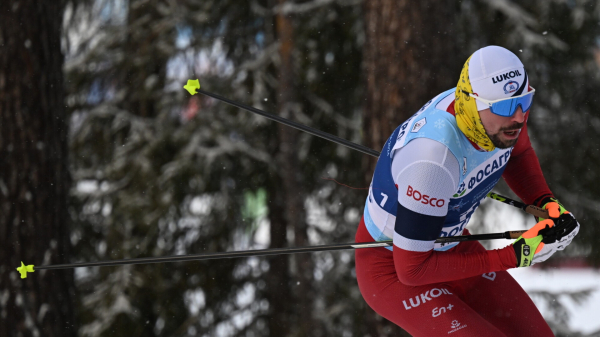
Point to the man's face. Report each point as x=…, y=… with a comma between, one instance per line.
x=503, y=131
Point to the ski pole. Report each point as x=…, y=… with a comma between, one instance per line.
x=24, y=269
x=296, y=125
x=531, y=209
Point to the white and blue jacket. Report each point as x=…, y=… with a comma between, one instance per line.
x=431, y=188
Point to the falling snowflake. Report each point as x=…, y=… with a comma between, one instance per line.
x=439, y=124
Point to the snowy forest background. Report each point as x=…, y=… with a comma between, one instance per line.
x=103, y=154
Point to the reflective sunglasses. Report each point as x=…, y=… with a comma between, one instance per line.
x=506, y=107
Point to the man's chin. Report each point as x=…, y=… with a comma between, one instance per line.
x=502, y=143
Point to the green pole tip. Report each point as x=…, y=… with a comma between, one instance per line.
x=23, y=269
x=191, y=86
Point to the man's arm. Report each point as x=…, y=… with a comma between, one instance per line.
x=423, y=168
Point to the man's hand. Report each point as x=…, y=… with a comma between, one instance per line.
x=554, y=207
x=544, y=239
x=556, y=210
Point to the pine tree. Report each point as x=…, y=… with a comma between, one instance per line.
x=34, y=177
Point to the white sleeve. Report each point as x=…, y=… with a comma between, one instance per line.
x=427, y=175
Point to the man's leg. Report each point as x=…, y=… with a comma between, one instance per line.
x=500, y=300
x=430, y=310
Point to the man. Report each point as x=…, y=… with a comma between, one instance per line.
x=432, y=174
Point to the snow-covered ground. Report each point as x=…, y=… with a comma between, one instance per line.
x=584, y=317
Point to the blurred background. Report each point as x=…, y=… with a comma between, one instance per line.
x=103, y=155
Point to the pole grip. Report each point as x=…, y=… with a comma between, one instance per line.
x=515, y=234
x=537, y=211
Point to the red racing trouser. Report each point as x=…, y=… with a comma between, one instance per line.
x=492, y=304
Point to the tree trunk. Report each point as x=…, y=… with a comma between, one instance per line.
x=293, y=180
x=410, y=56
x=292, y=308
x=278, y=281
x=34, y=180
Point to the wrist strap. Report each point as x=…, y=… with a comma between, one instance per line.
x=543, y=199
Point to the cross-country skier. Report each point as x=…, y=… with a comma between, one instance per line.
x=432, y=174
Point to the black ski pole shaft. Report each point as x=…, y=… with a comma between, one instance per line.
x=296, y=125
x=478, y=237
x=264, y=252
x=531, y=209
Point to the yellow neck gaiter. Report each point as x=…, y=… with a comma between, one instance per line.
x=467, y=116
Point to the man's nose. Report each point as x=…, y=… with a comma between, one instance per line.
x=519, y=116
